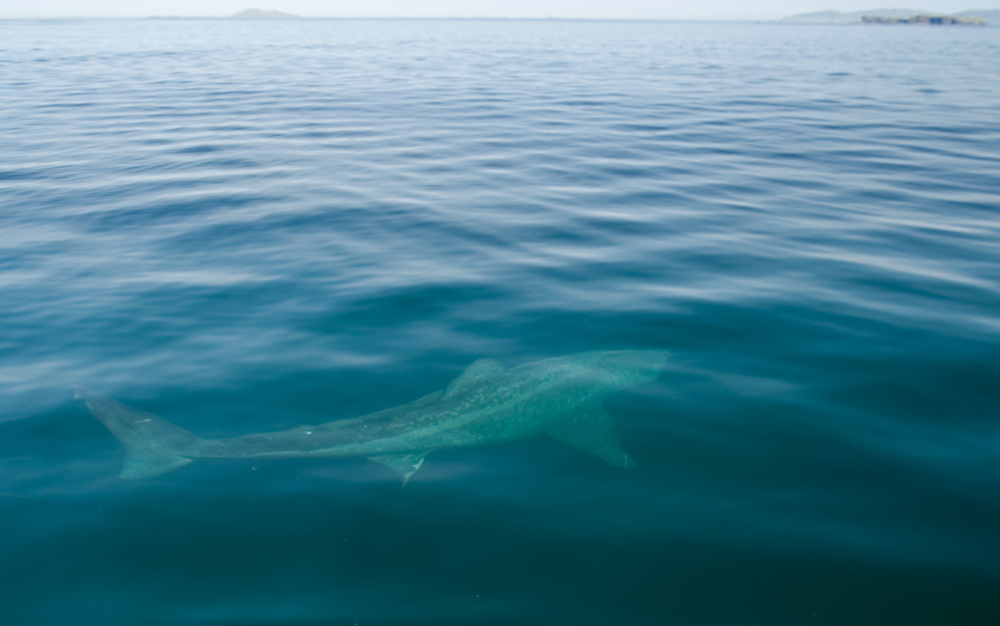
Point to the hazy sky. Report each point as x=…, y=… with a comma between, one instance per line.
x=632, y=9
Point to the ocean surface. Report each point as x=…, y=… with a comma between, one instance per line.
x=248, y=226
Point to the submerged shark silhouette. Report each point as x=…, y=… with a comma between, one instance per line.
x=560, y=397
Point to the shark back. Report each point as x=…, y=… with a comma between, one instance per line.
x=490, y=404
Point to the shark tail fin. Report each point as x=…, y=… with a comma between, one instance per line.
x=153, y=446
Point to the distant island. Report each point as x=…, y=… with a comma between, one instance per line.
x=249, y=14
x=928, y=19
x=259, y=14
x=984, y=17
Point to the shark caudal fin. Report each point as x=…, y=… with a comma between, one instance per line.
x=153, y=446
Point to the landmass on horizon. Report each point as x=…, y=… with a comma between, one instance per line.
x=259, y=14
x=975, y=17
x=981, y=17
x=248, y=14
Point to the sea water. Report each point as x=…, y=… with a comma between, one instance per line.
x=248, y=226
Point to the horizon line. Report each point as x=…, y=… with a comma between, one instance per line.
x=384, y=17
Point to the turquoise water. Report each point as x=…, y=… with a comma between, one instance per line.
x=245, y=227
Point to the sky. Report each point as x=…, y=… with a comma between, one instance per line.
x=623, y=9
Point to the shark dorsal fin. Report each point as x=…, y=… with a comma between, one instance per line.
x=406, y=463
x=594, y=432
x=475, y=373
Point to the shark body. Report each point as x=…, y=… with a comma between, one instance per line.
x=560, y=397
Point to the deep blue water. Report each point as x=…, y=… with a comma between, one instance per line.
x=246, y=226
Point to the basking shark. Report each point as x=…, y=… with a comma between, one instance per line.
x=488, y=403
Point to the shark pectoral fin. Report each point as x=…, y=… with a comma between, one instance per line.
x=406, y=464
x=477, y=372
x=595, y=433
